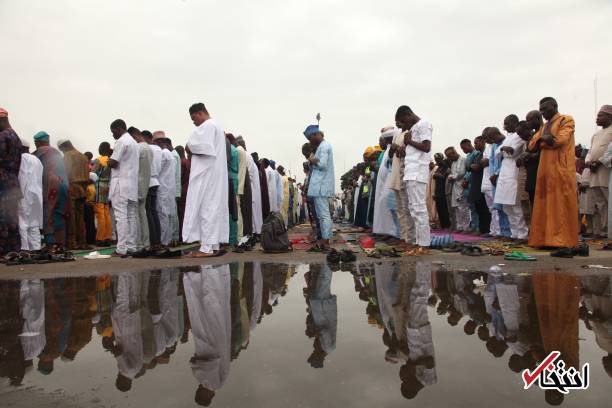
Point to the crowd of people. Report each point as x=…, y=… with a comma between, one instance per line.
x=146, y=195
x=528, y=183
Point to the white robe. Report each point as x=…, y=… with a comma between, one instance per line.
x=125, y=316
x=280, y=190
x=32, y=305
x=507, y=183
x=208, y=301
x=30, y=181
x=271, y=179
x=206, y=210
x=256, y=194
x=383, y=220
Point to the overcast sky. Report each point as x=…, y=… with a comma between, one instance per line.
x=265, y=68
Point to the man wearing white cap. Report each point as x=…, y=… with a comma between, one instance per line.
x=31, y=204
x=123, y=192
x=598, y=179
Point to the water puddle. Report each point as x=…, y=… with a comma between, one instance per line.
x=277, y=335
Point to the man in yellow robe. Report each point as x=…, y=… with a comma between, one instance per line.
x=554, y=222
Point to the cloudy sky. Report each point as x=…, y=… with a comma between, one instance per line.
x=265, y=68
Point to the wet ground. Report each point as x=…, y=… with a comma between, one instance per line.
x=256, y=334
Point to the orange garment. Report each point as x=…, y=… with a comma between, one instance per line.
x=104, y=231
x=557, y=298
x=554, y=222
x=90, y=194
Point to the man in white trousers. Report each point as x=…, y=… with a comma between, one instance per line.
x=31, y=203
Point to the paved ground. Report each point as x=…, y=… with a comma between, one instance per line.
x=454, y=261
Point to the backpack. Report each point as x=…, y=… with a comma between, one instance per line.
x=274, y=238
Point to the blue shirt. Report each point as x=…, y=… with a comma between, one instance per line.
x=322, y=182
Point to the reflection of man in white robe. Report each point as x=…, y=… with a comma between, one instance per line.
x=31, y=205
x=32, y=305
x=257, y=294
x=208, y=301
x=166, y=323
x=125, y=315
x=411, y=315
x=206, y=209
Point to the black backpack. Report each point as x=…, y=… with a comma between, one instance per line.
x=274, y=238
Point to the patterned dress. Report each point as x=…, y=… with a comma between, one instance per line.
x=10, y=193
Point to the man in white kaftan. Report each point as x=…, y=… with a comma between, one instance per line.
x=256, y=194
x=271, y=179
x=506, y=192
x=207, y=293
x=384, y=221
x=459, y=202
x=31, y=204
x=123, y=191
x=166, y=202
x=206, y=209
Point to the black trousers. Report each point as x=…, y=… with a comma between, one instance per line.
x=442, y=209
x=484, y=216
x=90, y=224
x=153, y=217
x=246, y=207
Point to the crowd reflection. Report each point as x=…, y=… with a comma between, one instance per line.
x=518, y=317
x=141, y=318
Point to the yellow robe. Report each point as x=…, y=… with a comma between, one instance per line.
x=554, y=221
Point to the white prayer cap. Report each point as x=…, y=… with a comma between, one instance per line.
x=60, y=142
x=389, y=131
x=24, y=142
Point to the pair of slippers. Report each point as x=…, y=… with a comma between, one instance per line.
x=26, y=258
x=344, y=256
x=581, y=250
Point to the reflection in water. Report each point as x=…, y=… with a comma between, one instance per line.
x=141, y=318
x=322, y=313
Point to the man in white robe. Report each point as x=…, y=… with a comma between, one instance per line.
x=507, y=193
x=459, y=202
x=271, y=179
x=207, y=293
x=31, y=204
x=123, y=191
x=206, y=209
x=166, y=201
x=279, y=187
x=384, y=222
x=253, y=172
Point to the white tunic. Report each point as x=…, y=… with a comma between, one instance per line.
x=124, y=177
x=256, y=194
x=167, y=184
x=416, y=162
x=486, y=172
x=155, y=165
x=507, y=183
x=30, y=181
x=206, y=209
x=208, y=301
x=383, y=220
x=271, y=179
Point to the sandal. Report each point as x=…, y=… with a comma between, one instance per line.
x=518, y=256
x=472, y=251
